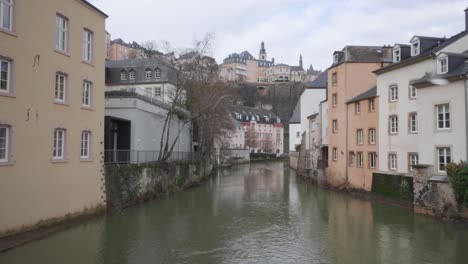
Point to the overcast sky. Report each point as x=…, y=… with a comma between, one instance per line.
x=289, y=27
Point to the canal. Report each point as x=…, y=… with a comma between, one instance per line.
x=256, y=213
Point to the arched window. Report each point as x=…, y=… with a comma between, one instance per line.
x=157, y=73
x=132, y=75
x=123, y=75
x=149, y=73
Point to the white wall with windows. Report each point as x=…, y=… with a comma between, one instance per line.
x=294, y=139
x=310, y=104
x=161, y=91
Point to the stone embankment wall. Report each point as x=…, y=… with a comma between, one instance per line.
x=397, y=187
x=293, y=159
x=235, y=156
x=433, y=195
x=129, y=184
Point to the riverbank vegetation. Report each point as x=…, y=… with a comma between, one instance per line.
x=458, y=177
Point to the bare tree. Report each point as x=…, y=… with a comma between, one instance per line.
x=150, y=49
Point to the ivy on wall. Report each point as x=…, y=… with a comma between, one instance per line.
x=458, y=177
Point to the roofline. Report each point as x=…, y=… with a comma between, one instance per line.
x=410, y=61
x=364, y=98
x=312, y=115
x=338, y=64
x=326, y=100
x=94, y=8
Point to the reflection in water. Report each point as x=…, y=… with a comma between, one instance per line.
x=254, y=213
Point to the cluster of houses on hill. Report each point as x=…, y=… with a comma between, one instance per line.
x=387, y=109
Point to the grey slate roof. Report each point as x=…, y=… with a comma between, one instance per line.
x=297, y=68
x=296, y=115
x=361, y=54
x=114, y=68
x=371, y=93
x=424, y=55
x=320, y=82
x=248, y=112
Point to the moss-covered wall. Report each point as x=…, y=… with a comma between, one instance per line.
x=128, y=184
x=393, y=186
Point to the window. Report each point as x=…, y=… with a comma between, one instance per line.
x=393, y=124
x=396, y=55
x=372, y=136
x=85, y=144
x=5, y=72
x=360, y=160
x=358, y=108
x=371, y=105
x=4, y=142
x=372, y=160
x=413, y=123
x=334, y=78
x=415, y=48
x=360, y=137
x=61, y=33
x=59, y=144
x=393, y=93
x=6, y=14
x=413, y=159
x=442, y=65
x=157, y=73
x=149, y=73
x=392, y=160
x=335, y=154
x=298, y=134
x=123, y=75
x=132, y=75
x=444, y=157
x=60, y=87
x=157, y=91
x=334, y=100
x=87, y=45
x=443, y=116
x=412, y=91
x=335, y=126
x=86, y=96
x=335, y=58
x=351, y=159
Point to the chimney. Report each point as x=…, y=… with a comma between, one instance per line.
x=466, y=19
x=387, y=51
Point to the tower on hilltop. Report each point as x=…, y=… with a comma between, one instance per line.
x=300, y=61
x=262, y=55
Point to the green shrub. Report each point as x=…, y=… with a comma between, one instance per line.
x=458, y=177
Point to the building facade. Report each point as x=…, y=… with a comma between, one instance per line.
x=350, y=75
x=422, y=104
x=363, y=121
x=120, y=50
x=51, y=122
x=263, y=130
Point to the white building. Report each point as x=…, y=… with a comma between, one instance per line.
x=422, y=104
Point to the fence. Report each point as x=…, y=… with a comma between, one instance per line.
x=144, y=156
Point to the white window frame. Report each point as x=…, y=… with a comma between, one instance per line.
x=372, y=160
x=86, y=99
x=442, y=65
x=157, y=73
x=393, y=123
x=58, y=152
x=131, y=75
x=393, y=161
x=413, y=123
x=393, y=93
x=372, y=105
x=372, y=135
x=413, y=159
x=334, y=78
x=148, y=74
x=360, y=159
x=8, y=76
x=358, y=107
x=415, y=47
x=123, y=75
x=85, y=144
x=397, y=54
x=335, y=154
x=87, y=45
x=446, y=154
x=334, y=100
x=335, y=126
x=360, y=136
x=61, y=33
x=61, y=81
x=6, y=4
x=157, y=91
x=413, y=92
x=445, y=110
x=6, y=149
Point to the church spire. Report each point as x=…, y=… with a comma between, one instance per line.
x=262, y=55
x=300, y=61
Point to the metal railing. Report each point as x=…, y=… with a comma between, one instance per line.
x=144, y=156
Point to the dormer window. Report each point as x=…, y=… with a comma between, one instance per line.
x=132, y=75
x=149, y=73
x=442, y=65
x=157, y=73
x=415, y=47
x=123, y=75
x=396, y=54
x=335, y=58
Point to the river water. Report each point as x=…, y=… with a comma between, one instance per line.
x=256, y=213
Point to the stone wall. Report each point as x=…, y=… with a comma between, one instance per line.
x=433, y=194
x=129, y=184
x=397, y=187
x=293, y=160
x=235, y=156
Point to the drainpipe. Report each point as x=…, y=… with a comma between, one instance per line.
x=466, y=117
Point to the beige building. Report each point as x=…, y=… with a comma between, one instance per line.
x=52, y=56
x=286, y=73
x=350, y=75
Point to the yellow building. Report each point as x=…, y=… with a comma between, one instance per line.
x=52, y=57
